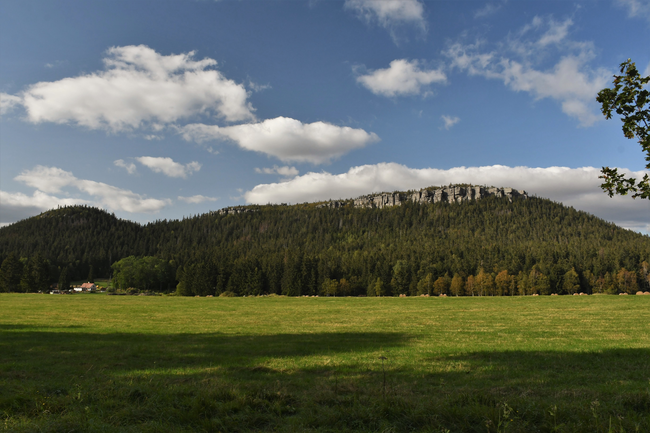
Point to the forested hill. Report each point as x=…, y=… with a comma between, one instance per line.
x=302, y=248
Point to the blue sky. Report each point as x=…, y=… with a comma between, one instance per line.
x=164, y=109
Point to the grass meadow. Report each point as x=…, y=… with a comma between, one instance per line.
x=97, y=363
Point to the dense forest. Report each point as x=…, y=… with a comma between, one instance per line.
x=492, y=246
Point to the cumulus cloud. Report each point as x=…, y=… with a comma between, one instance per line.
x=647, y=70
x=282, y=171
x=450, y=121
x=168, y=166
x=46, y=179
x=54, y=180
x=128, y=166
x=286, y=139
x=8, y=103
x=570, y=81
x=401, y=78
x=18, y=206
x=139, y=87
x=390, y=14
x=577, y=187
x=636, y=8
x=196, y=199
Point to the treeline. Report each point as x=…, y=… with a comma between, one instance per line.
x=485, y=247
x=295, y=274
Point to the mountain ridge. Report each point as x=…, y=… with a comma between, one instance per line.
x=270, y=243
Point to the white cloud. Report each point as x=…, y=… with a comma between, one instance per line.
x=577, y=187
x=258, y=87
x=570, y=81
x=450, y=121
x=138, y=88
x=390, y=14
x=556, y=32
x=18, y=206
x=130, y=167
x=196, y=199
x=646, y=73
x=488, y=9
x=636, y=8
x=53, y=180
x=8, y=103
x=401, y=78
x=46, y=179
x=282, y=171
x=56, y=64
x=168, y=166
x=287, y=139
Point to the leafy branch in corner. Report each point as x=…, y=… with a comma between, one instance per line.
x=631, y=101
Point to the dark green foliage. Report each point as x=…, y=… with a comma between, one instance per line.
x=64, y=279
x=10, y=273
x=36, y=275
x=630, y=98
x=146, y=273
x=293, y=250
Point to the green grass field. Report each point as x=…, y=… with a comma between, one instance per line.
x=93, y=362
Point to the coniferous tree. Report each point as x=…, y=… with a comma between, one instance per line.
x=28, y=282
x=41, y=269
x=425, y=285
x=11, y=272
x=64, y=279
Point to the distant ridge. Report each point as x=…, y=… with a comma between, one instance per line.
x=433, y=194
x=401, y=242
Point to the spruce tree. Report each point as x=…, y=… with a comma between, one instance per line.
x=11, y=272
x=64, y=279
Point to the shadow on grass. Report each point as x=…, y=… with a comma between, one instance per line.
x=71, y=352
x=261, y=382
x=10, y=327
x=551, y=372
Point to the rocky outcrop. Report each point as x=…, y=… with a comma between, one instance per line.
x=449, y=194
x=331, y=204
x=233, y=210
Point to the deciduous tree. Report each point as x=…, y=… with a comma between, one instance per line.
x=630, y=99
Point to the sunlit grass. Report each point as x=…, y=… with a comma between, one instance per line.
x=93, y=362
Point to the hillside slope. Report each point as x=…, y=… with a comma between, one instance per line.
x=296, y=249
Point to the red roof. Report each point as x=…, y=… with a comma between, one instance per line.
x=87, y=285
